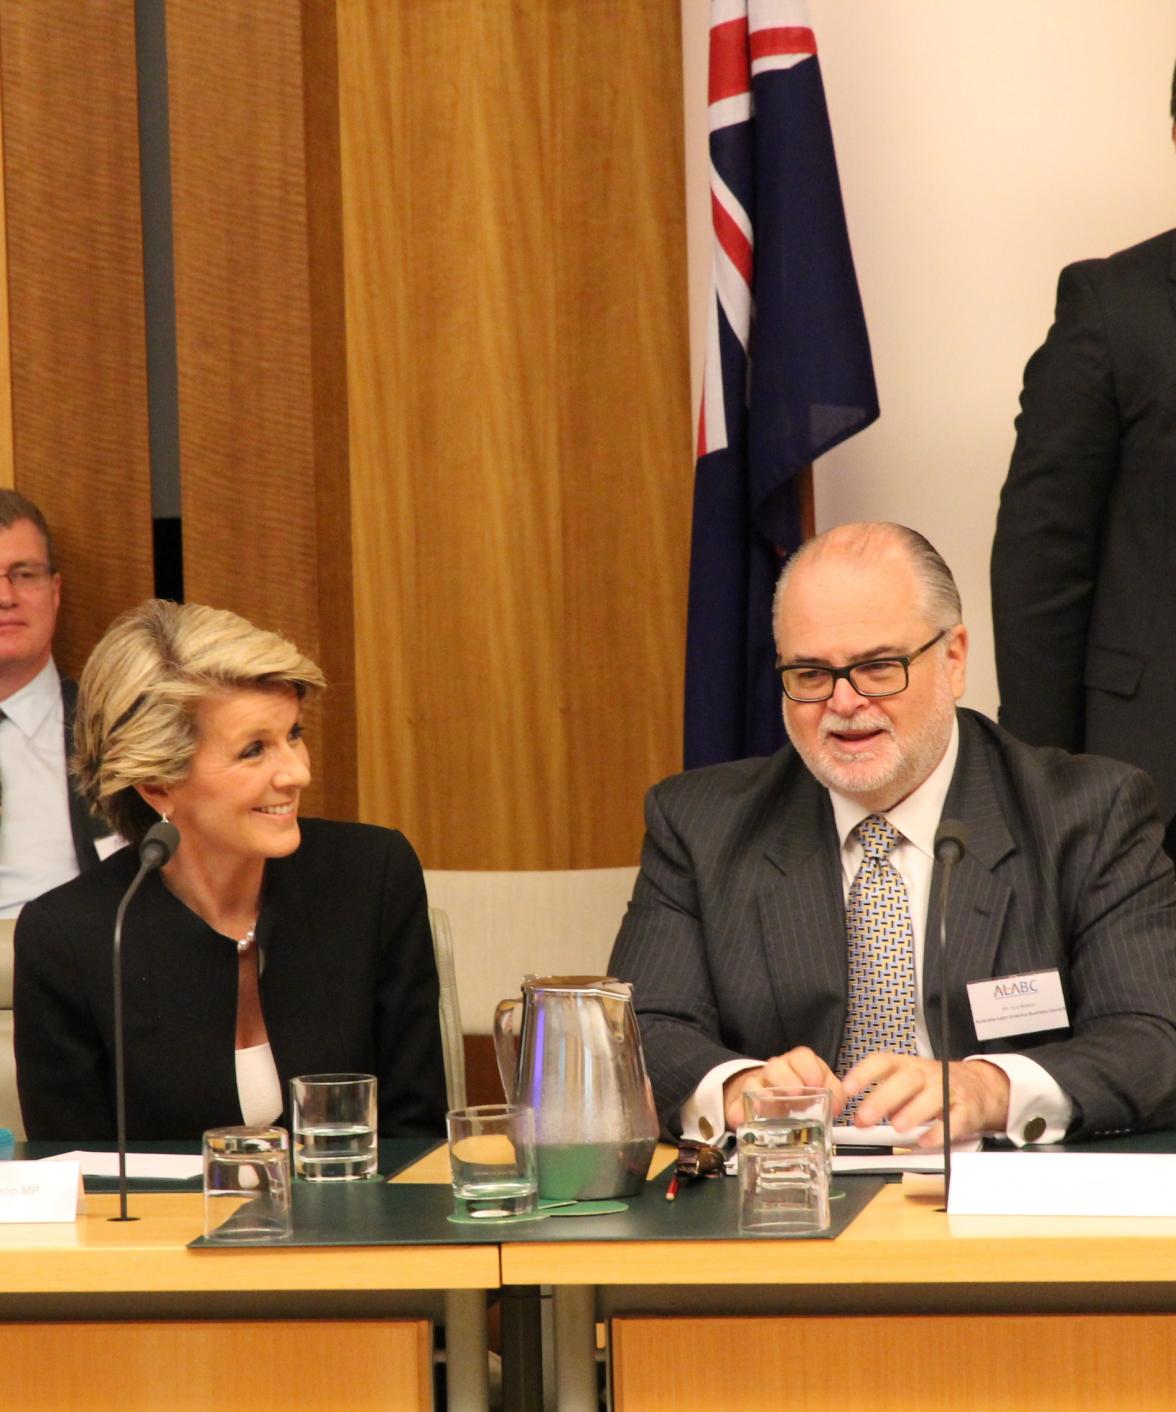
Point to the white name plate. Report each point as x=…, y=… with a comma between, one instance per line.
x=1063, y=1184
x=1024, y=1004
x=39, y=1191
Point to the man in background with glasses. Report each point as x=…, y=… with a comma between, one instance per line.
x=46, y=834
x=784, y=927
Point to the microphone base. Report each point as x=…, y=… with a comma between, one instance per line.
x=122, y=1218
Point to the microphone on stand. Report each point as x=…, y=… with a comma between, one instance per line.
x=951, y=843
x=159, y=843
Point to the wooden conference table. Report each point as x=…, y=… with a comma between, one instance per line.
x=105, y=1314
x=906, y=1308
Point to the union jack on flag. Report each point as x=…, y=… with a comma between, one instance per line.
x=788, y=372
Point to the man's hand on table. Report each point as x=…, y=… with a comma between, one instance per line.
x=907, y=1093
x=799, y=1068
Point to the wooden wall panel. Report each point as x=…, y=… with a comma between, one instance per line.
x=520, y=428
x=7, y=468
x=75, y=299
x=260, y=338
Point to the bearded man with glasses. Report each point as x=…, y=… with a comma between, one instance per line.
x=780, y=931
x=46, y=834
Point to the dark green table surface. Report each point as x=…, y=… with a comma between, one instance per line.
x=376, y=1213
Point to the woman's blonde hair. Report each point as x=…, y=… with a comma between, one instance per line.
x=138, y=694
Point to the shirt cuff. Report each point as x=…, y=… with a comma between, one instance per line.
x=1040, y=1110
x=707, y=1100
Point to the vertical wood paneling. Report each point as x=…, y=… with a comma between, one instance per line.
x=328, y=390
x=75, y=299
x=7, y=468
x=520, y=438
x=260, y=341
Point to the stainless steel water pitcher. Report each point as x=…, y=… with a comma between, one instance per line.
x=576, y=1059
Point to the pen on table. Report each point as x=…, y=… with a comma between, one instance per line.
x=672, y=1189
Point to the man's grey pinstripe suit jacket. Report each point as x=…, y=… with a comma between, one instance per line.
x=735, y=936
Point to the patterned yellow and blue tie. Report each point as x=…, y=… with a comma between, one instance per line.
x=881, y=1009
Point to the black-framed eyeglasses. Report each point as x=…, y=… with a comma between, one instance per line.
x=881, y=676
x=28, y=578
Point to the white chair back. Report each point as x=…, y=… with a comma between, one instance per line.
x=510, y=924
x=9, y=1106
x=452, y=1041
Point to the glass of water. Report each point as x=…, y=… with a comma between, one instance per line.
x=784, y=1160
x=246, y=1185
x=334, y=1118
x=492, y=1157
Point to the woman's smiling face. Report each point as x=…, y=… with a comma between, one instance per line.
x=240, y=797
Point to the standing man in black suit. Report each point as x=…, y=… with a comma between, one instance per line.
x=46, y=833
x=1084, y=561
x=745, y=937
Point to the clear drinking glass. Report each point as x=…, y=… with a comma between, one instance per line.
x=334, y=1118
x=784, y=1159
x=492, y=1157
x=246, y=1185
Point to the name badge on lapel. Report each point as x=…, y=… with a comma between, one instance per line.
x=1021, y=1004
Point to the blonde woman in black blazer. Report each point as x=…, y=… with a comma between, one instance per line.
x=267, y=947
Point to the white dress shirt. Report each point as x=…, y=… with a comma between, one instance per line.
x=1033, y=1093
x=259, y=1089
x=36, y=842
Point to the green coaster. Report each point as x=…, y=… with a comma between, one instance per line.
x=591, y=1208
x=496, y=1220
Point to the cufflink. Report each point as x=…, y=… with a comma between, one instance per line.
x=1033, y=1129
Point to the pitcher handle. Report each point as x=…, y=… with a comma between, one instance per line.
x=506, y=1046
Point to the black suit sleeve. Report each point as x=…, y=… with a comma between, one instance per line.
x=408, y=1029
x=64, y=1071
x=1119, y=905
x=661, y=950
x=1045, y=556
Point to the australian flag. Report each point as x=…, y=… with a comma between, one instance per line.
x=788, y=371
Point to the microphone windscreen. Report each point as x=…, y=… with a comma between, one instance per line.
x=159, y=843
x=951, y=840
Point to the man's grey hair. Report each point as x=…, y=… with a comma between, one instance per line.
x=941, y=597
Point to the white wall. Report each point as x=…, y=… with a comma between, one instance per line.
x=981, y=147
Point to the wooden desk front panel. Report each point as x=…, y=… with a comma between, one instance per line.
x=308, y=1363
x=951, y=1364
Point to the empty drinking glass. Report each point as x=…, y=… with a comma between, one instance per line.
x=784, y=1162
x=246, y=1185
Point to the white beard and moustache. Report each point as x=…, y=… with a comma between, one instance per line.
x=851, y=725
x=901, y=764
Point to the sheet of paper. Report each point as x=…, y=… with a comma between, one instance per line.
x=883, y=1135
x=1063, y=1184
x=159, y=1166
x=903, y=1160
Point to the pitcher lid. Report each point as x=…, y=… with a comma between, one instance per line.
x=608, y=984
